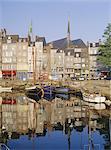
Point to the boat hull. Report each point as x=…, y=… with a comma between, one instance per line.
x=97, y=99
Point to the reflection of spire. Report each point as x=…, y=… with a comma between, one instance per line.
x=68, y=33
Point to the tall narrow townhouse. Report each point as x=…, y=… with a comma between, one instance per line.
x=31, y=61
x=9, y=56
x=0, y=54
x=22, y=59
x=39, y=56
x=93, y=54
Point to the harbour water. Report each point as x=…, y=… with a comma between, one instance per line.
x=64, y=123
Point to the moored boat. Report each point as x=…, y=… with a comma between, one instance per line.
x=93, y=97
x=61, y=90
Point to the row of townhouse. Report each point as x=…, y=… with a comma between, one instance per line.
x=24, y=59
x=20, y=57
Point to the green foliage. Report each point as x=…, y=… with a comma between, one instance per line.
x=105, y=48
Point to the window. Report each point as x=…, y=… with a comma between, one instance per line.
x=77, y=55
x=83, y=65
x=68, y=53
x=91, y=45
x=77, y=49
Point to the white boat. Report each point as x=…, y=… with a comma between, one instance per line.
x=108, y=102
x=93, y=98
x=5, y=89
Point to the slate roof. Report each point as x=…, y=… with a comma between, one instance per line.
x=62, y=43
x=14, y=38
x=79, y=43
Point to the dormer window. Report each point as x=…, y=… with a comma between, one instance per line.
x=9, y=38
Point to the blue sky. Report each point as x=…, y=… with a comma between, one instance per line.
x=88, y=19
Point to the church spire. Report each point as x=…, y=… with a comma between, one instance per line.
x=30, y=32
x=68, y=33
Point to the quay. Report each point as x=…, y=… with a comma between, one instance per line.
x=104, y=86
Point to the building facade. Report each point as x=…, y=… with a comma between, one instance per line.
x=22, y=59
x=71, y=61
x=0, y=54
x=93, y=54
x=9, y=56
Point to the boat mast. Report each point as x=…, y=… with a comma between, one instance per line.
x=33, y=55
x=33, y=52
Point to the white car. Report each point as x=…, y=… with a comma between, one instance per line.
x=81, y=78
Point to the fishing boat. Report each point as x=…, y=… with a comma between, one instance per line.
x=93, y=97
x=61, y=90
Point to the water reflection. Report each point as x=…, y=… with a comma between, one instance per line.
x=60, y=124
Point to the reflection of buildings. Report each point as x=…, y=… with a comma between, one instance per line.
x=26, y=116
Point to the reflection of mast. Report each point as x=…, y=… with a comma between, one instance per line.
x=89, y=130
x=30, y=34
x=110, y=127
x=63, y=66
x=1, y=114
x=90, y=144
x=69, y=143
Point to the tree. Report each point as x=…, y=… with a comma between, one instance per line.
x=105, y=48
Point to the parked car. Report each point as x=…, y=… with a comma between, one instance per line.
x=73, y=78
x=96, y=78
x=108, y=78
x=81, y=78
